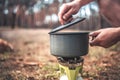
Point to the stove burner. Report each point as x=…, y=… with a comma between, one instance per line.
x=71, y=62
x=70, y=68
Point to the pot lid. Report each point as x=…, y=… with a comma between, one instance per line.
x=66, y=25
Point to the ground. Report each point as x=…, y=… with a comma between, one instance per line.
x=31, y=58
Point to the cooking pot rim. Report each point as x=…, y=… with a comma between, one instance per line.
x=70, y=33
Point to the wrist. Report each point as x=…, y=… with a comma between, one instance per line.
x=83, y=2
x=118, y=33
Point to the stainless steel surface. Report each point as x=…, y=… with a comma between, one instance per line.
x=66, y=25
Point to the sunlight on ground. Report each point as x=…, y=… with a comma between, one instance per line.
x=32, y=59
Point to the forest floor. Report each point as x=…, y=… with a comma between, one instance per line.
x=31, y=58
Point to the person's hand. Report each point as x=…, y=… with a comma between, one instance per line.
x=67, y=10
x=105, y=37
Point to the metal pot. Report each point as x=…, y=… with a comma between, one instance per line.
x=69, y=44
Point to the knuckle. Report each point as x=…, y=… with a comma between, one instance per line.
x=63, y=5
x=66, y=15
x=73, y=11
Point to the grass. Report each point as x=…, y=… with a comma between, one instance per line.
x=97, y=52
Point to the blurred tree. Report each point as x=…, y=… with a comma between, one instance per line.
x=43, y=13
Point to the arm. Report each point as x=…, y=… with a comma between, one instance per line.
x=84, y=2
x=118, y=33
x=68, y=9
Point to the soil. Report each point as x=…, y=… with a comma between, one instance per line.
x=31, y=59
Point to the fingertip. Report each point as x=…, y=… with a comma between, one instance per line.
x=60, y=19
x=62, y=22
x=64, y=17
x=91, y=42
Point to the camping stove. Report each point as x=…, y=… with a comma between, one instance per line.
x=70, y=68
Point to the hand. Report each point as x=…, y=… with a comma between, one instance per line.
x=67, y=10
x=105, y=37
